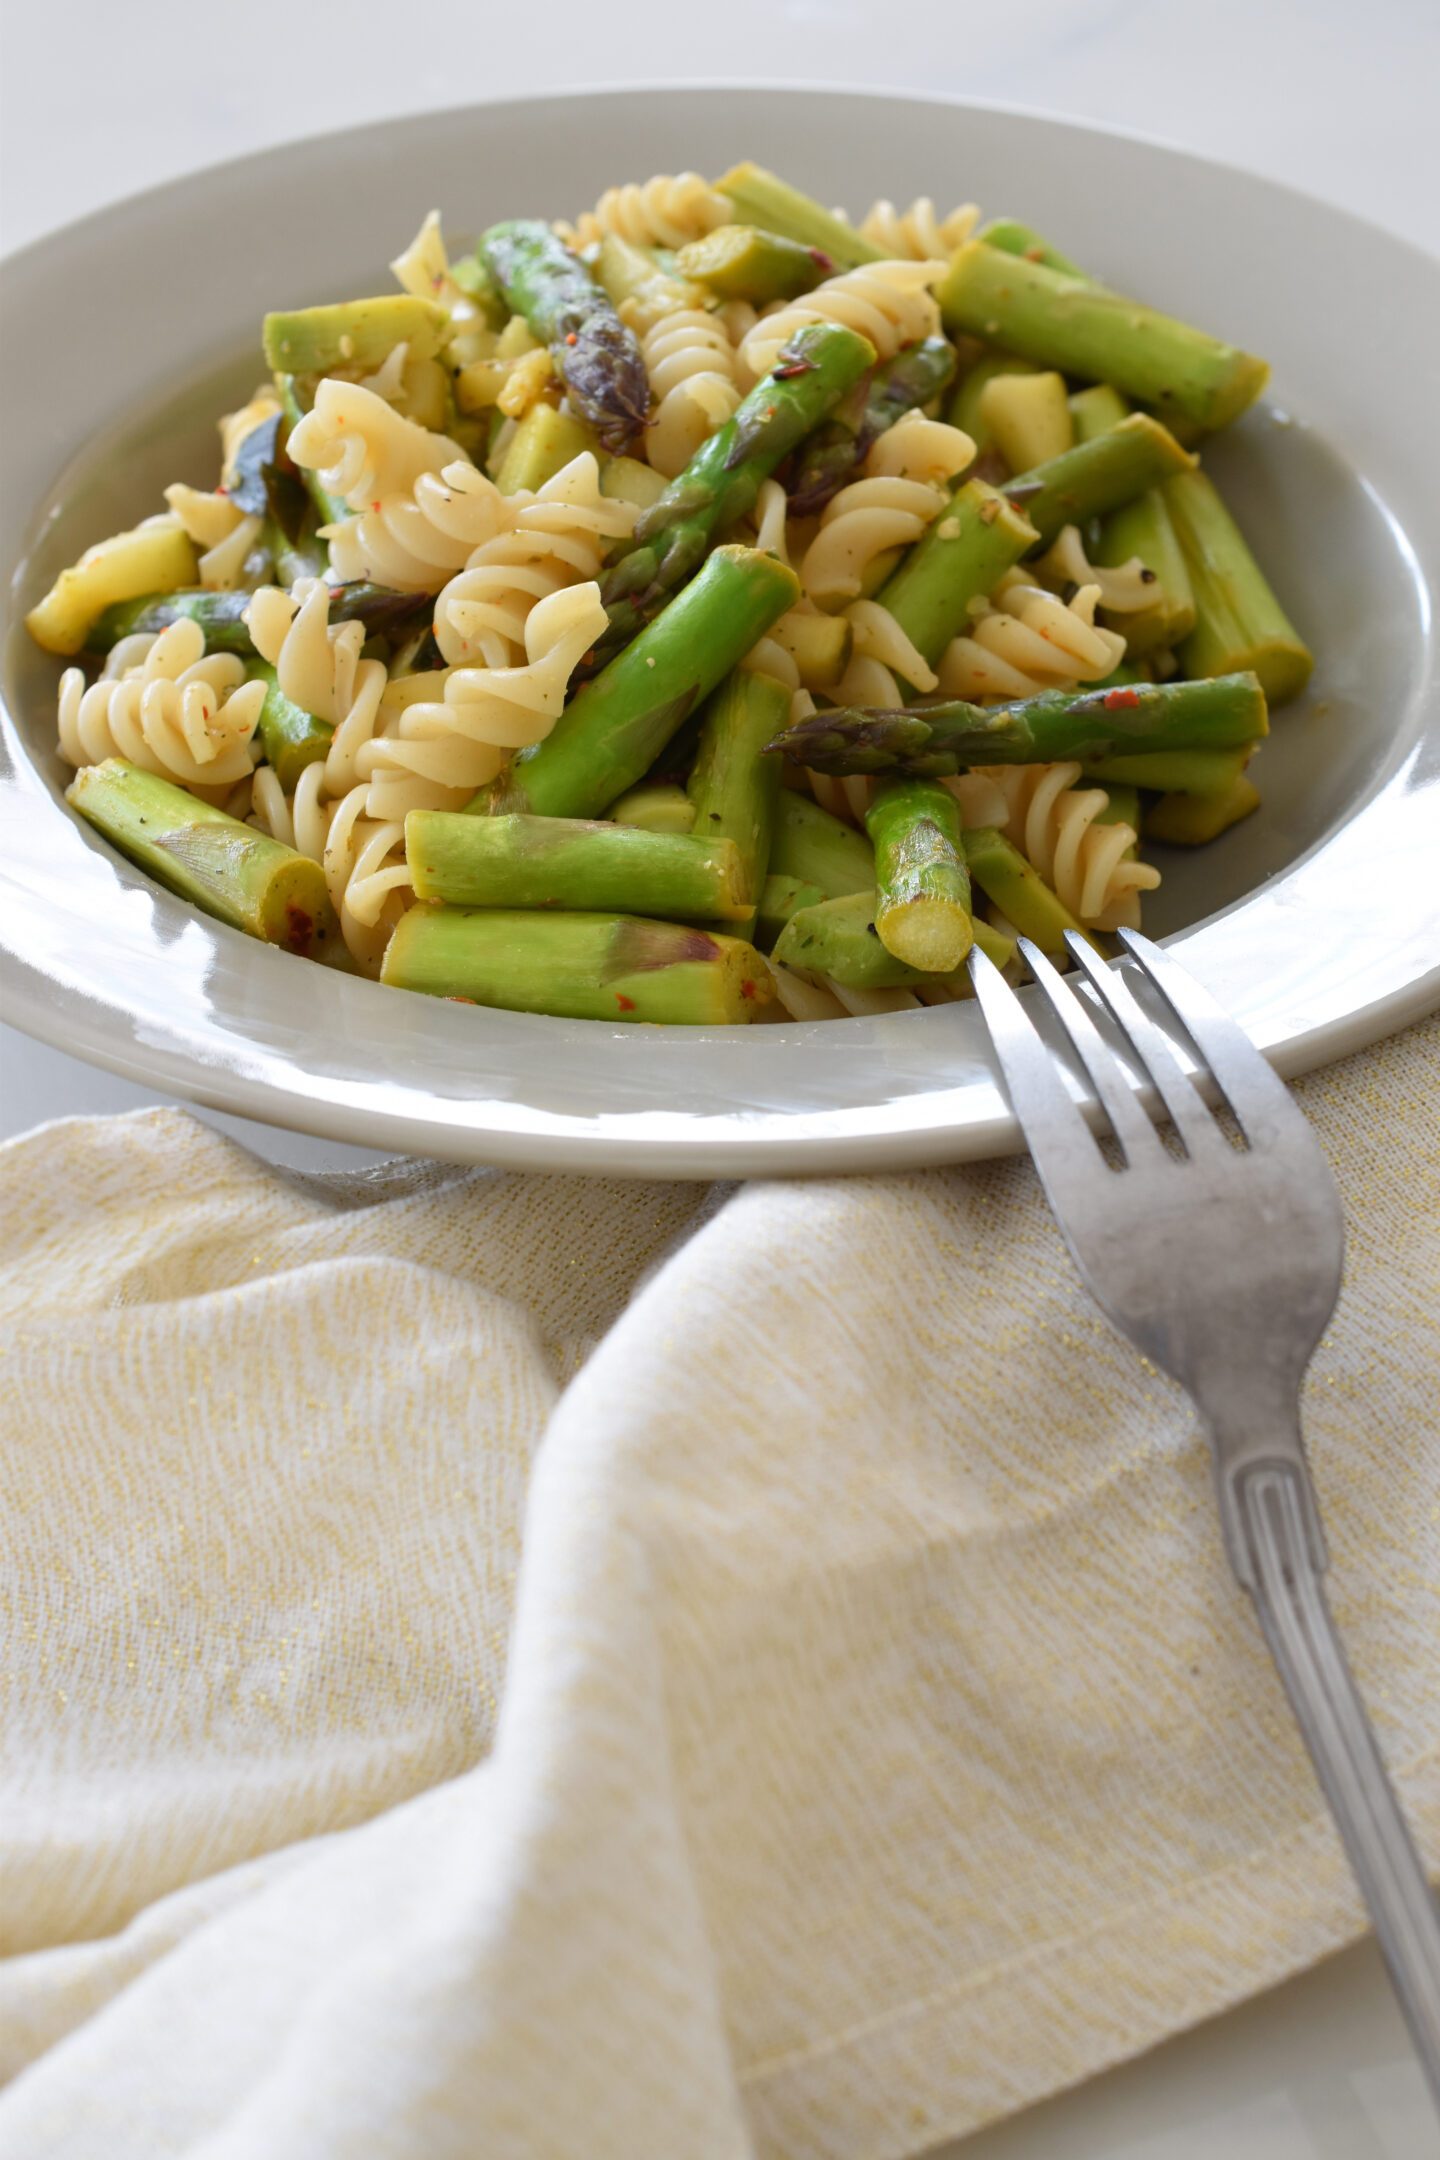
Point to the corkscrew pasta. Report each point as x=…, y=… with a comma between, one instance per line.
x=490, y=502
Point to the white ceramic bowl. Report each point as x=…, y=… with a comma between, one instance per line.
x=1317, y=921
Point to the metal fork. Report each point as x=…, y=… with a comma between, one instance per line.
x=1224, y=1268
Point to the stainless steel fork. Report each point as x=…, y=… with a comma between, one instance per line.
x=1223, y=1267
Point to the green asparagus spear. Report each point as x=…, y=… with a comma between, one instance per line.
x=595, y=355
x=832, y=453
x=577, y=966
x=922, y=900
x=611, y=732
x=735, y=782
x=739, y=262
x=627, y=272
x=962, y=554
x=1098, y=475
x=760, y=199
x=539, y=862
x=1085, y=330
x=1239, y=623
x=819, y=849
x=1017, y=239
x=657, y=806
x=353, y=334
x=295, y=397
x=840, y=938
x=293, y=738
x=1190, y=820
x=722, y=480
x=1140, y=528
x=1018, y=890
x=781, y=896
x=965, y=411
x=939, y=739
x=227, y=868
x=384, y=612
x=1183, y=772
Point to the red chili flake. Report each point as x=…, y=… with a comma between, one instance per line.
x=461, y=1001
x=375, y=506
x=1117, y=700
x=821, y=260
x=572, y=337
x=796, y=367
x=1034, y=254
x=625, y=1004
x=747, y=989
x=222, y=489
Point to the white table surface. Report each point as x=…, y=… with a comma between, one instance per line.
x=1337, y=99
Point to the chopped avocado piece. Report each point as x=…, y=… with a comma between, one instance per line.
x=655, y=806
x=543, y=445
x=739, y=262
x=157, y=556
x=354, y=333
x=1018, y=890
x=1191, y=820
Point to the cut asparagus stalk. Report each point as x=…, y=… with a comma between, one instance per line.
x=353, y=334
x=782, y=896
x=1186, y=772
x=543, y=444
x=820, y=646
x=735, y=781
x=658, y=806
x=819, y=849
x=631, y=274
x=295, y=398
x=969, y=546
x=231, y=871
x=105, y=580
x=1239, y=623
x=1085, y=330
x=739, y=262
x=1017, y=239
x=539, y=862
x=577, y=966
x=840, y=938
x=595, y=354
x=831, y=454
x=1144, y=528
x=965, y=411
x=1096, y=410
x=221, y=615
x=760, y=199
x=721, y=482
x=1218, y=714
x=922, y=897
x=612, y=731
x=1098, y=476
x=1191, y=820
x=1018, y=890
x=293, y=738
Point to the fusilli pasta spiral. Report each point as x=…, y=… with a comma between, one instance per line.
x=691, y=364
x=1026, y=640
x=888, y=302
x=663, y=212
x=1052, y=822
x=555, y=538
x=362, y=449
x=1125, y=590
x=917, y=232
x=167, y=706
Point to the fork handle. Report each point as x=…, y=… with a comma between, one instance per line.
x=1275, y=1508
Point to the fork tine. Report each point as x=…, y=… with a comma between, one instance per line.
x=1128, y=1121
x=1258, y=1096
x=1065, y=1154
x=1187, y=1112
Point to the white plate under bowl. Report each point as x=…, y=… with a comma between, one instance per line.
x=1317, y=921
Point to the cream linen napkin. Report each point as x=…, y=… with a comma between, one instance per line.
x=528, y=1665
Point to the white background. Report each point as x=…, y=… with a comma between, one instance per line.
x=1337, y=99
